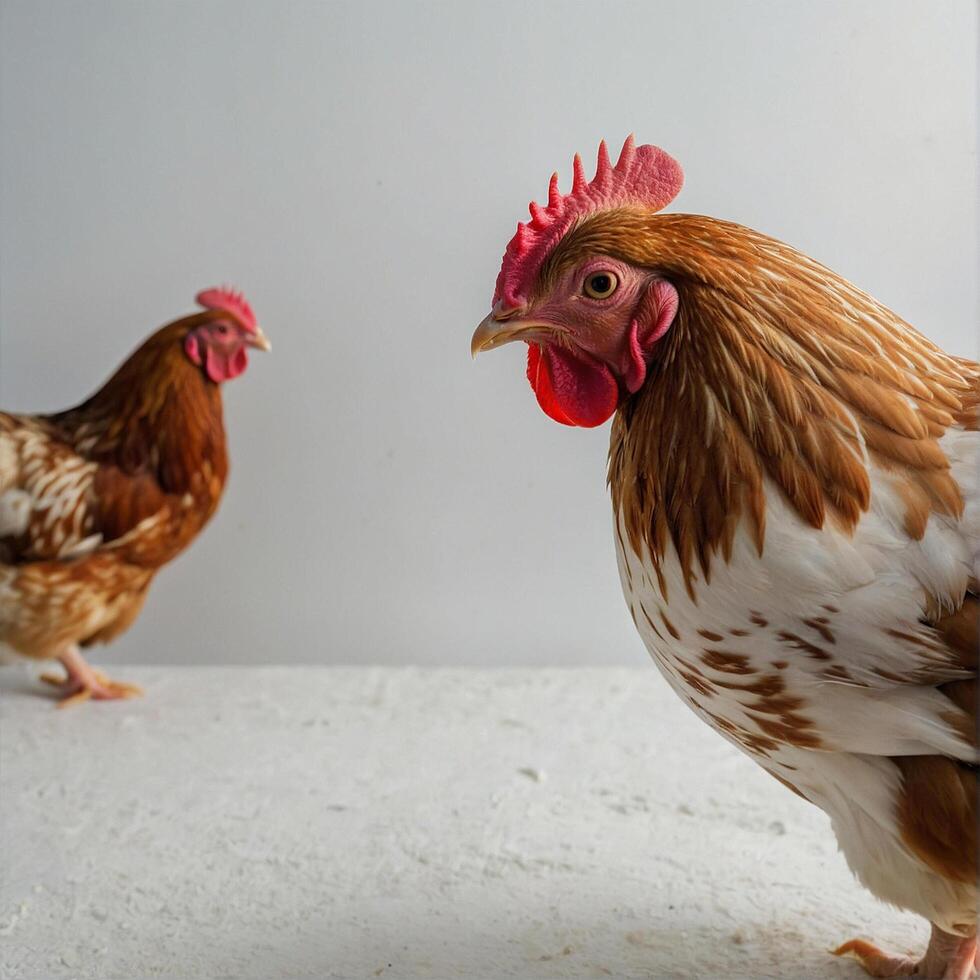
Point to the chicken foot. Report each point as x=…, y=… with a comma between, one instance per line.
x=83, y=682
x=948, y=957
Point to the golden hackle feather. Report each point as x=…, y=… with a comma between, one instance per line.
x=774, y=367
x=156, y=430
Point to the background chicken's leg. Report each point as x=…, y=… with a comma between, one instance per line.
x=84, y=682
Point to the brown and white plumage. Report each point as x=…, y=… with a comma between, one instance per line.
x=797, y=519
x=96, y=499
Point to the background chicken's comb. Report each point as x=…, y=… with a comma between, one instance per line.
x=226, y=298
x=644, y=175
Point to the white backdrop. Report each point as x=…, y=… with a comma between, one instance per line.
x=357, y=169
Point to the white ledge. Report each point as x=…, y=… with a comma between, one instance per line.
x=335, y=822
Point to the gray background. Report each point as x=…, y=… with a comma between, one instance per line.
x=357, y=169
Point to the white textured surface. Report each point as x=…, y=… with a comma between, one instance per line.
x=290, y=822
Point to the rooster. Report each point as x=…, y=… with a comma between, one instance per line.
x=95, y=499
x=793, y=471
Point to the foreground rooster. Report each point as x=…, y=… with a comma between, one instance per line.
x=794, y=480
x=94, y=500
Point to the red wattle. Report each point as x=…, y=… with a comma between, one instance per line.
x=223, y=365
x=571, y=389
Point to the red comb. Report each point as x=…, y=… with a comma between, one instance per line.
x=226, y=298
x=644, y=176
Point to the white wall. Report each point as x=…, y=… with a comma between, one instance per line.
x=357, y=169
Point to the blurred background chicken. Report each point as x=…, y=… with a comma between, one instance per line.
x=96, y=499
x=794, y=474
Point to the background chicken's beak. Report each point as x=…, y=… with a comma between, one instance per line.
x=259, y=340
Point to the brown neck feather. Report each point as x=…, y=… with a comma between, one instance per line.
x=158, y=412
x=774, y=368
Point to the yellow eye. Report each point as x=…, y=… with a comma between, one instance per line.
x=600, y=285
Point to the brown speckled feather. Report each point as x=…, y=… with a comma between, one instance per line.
x=94, y=500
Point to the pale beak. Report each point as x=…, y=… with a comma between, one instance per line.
x=259, y=340
x=502, y=327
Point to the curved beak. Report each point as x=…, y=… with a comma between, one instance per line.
x=503, y=326
x=259, y=340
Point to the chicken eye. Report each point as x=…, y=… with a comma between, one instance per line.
x=223, y=329
x=600, y=285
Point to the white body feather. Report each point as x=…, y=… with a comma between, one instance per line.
x=860, y=589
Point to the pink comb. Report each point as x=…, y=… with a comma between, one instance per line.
x=645, y=176
x=226, y=298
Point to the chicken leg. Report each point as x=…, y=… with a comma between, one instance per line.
x=948, y=957
x=83, y=682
